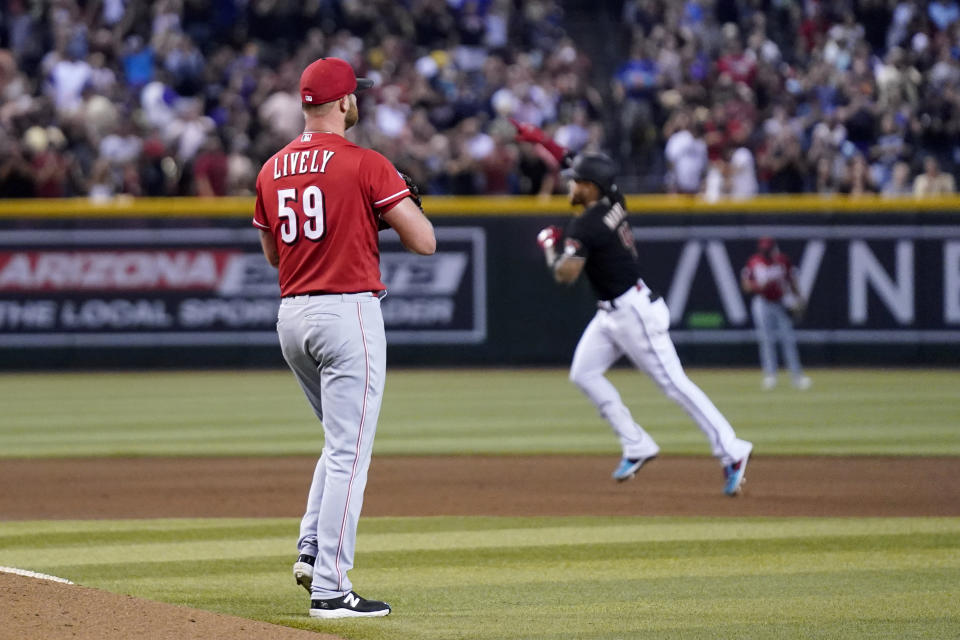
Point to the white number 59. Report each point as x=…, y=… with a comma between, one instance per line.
x=312, y=205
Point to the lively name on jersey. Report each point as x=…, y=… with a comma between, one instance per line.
x=300, y=162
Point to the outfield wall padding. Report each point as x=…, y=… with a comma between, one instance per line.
x=174, y=283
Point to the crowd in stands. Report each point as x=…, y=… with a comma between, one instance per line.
x=852, y=97
x=190, y=97
x=725, y=98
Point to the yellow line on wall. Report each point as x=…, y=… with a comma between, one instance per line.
x=475, y=206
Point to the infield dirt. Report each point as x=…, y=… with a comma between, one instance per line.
x=92, y=488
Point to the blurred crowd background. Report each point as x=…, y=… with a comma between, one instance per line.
x=725, y=98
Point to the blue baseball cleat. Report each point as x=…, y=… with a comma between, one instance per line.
x=734, y=474
x=628, y=467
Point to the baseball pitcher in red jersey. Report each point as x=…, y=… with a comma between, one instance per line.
x=320, y=203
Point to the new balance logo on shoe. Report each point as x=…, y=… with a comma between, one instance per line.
x=350, y=605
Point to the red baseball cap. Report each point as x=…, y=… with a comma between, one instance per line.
x=329, y=79
x=766, y=242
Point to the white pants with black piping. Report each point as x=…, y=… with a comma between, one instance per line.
x=638, y=327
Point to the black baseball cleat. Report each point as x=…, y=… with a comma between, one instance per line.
x=303, y=571
x=348, y=606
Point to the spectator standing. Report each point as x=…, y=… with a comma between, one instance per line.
x=189, y=129
x=49, y=164
x=741, y=170
x=634, y=89
x=241, y=173
x=858, y=181
x=899, y=183
x=889, y=149
x=770, y=278
x=68, y=77
x=138, y=62
x=740, y=65
x=933, y=182
x=280, y=112
x=785, y=164
x=210, y=168
x=122, y=146
x=686, y=156
x=17, y=176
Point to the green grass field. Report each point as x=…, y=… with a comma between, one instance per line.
x=896, y=412
x=492, y=578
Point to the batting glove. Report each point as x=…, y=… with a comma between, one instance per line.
x=549, y=237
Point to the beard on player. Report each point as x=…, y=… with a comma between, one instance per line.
x=580, y=192
x=352, y=115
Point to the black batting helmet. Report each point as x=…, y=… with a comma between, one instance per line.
x=597, y=168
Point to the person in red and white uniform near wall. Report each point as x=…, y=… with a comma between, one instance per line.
x=320, y=203
x=771, y=279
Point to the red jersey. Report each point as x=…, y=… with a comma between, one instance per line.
x=321, y=197
x=769, y=275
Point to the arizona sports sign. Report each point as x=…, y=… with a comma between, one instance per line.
x=115, y=293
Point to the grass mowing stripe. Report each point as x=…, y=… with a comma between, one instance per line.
x=770, y=560
x=581, y=578
x=71, y=564
x=648, y=528
x=67, y=541
x=625, y=618
x=735, y=585
x=860, y=411
x=936, y=549
x=637, y=550
x=565, y=566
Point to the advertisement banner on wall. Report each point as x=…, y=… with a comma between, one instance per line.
x=211, y=287
x=882, y=284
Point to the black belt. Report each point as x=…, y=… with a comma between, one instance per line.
x=330, y=293
x=610, y=305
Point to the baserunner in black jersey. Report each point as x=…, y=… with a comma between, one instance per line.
x=631, y=319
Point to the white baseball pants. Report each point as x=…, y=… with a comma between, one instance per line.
x=637, y=327
x=337, y=349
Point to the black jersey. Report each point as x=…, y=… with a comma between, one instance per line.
x=602, y=236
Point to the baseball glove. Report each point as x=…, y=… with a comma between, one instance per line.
x=414, y=190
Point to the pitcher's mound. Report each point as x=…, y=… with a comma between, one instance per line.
x=35, y=609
